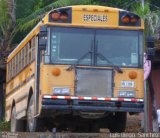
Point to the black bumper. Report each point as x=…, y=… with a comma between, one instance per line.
x=91, y=105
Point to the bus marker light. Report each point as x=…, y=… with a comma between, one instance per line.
x=132, y=75
x=56, y=72
x=55, y=16
x=134, y=19
x=64, y=16
x=125, y=19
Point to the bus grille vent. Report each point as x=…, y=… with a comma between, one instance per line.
x=94, y=82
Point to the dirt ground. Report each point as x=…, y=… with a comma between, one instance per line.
x=134, y=123
x=133, y=126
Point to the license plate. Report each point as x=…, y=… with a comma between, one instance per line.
x=127, y=84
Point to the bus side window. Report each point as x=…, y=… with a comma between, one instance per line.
x=25, y=52
x=33, y=43
x=9, y=70
x=20, y=61
x=29, y=52
x=16, y=65
x=22, y=58
x=12, y=68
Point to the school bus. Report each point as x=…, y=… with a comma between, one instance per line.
x=80, y=68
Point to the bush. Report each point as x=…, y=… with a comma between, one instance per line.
x=4, y=126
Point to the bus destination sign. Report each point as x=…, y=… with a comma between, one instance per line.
x=95, y=18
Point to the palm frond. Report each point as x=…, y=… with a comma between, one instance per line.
x=11, y=9
x=28, y=24
x=141, y=11
x=59, y=3
x=5, y=20
x=3, y=12
x=151, y=18
x=25, y=23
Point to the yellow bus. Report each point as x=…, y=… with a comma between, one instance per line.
x=80, y=68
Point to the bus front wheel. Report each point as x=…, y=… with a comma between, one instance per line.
x=118, y=122
x=33, y=123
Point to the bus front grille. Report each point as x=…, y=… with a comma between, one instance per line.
x=94, y=82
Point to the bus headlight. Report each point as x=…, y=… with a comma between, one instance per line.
x=126, y=93
x=61, y=91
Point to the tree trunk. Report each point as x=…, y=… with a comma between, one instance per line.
x=11, y=8
x=2, y=92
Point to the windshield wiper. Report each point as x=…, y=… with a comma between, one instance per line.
x=81, y=58
x=117, y=68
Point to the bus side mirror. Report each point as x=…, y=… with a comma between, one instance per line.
x=150, y=48
x=42, y=43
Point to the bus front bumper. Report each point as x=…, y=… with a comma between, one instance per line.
x=117, y=105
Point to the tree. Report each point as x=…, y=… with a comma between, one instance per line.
x=7, y=21
x=26, y=23
x=151, y=19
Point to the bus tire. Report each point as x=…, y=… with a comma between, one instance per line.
x=33, y=124
x=16, y=125
x=118, y=122
x=95, y=128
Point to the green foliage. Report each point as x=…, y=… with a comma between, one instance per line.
x=151, y=18
x=23, y=24
x=5, y=21
x=124, y=4
x=25, y=8
x=29, y=12
x=141, y=11
x=4, y=126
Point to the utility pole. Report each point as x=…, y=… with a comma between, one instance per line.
x=146, y=98
x=145, y=122
x=142, y=1
x=146, y=106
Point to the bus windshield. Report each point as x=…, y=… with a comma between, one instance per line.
x=97, y=47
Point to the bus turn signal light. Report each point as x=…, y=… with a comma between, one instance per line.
x=132, y=75
x=56, y=72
